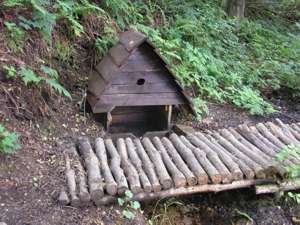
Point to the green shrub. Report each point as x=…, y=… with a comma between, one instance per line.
x=8, y=141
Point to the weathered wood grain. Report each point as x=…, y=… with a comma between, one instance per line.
x=110, y=184
x=115, y=166
x=190, y=177
x=159, y=166
x=211, y=171
x=135, y=160
x=93, y=171
x=177, y=176
x=147, y=166
x=130, y=171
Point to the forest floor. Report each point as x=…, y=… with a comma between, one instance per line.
x=30, y=180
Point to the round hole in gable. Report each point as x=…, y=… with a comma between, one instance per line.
x=140, y=81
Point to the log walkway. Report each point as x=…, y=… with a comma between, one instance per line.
x=98, y=171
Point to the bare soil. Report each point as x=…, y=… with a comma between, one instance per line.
x=31, y=179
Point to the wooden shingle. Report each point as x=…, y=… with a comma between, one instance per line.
x=131, y=39
x=119, y=54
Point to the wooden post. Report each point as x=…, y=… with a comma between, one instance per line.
x=169, y=116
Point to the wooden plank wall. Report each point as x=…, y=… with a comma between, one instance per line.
x=143, y=80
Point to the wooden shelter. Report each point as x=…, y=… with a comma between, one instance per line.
x=134, y=86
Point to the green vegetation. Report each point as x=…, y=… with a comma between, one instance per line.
x=294, y=170
x=221, y=58
x=129, y=206
x=8, y=141
x=29, y=77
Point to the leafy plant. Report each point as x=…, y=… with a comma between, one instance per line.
x=13, y=3
x=8, y=141
x=10, y=71
x=105, y=42
x=29, y=77
x=130, y=207
x=201, y=107
x=293, y=171
x=294, y=152
x=249, y=99
x=16, y=35
x=64, y=51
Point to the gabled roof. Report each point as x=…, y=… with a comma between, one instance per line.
x=117, y=56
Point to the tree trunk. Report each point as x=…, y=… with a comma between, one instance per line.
x=234, y=8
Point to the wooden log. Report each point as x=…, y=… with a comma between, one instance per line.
x=93, y=171
x=257, y=157
x=259, y=171
x=110, y=184
x=63, y=198
x=212, y=157
x=256, y=139
x=212, y=172
x=294, y=132
x=289, y=185
x=147, y=166
x=80, y=174
x=190, y=177
x=279, y=134
x=177, y=175
x=130, y=171
x=295, y=127
x=135, y=160
x=286, y=131
x=145, y=197
x=247, y=171
x=71, y=182
x=255, y=154
x=267, y=153
x=260, y=144
x=159, y=166
x=233, y=167
x=269, y=157
x=115, y=166
x=264, y=131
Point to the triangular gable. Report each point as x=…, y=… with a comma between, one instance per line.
x=118, y=61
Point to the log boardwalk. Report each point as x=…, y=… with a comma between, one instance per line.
x=99, y=170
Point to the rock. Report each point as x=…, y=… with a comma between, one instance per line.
x=187, y=220
x=296, y=220
x=244, y=221
x=295, y=211
x=2, y=223
x=63, y=198
x=183, y=129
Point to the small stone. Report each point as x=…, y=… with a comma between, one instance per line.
x=244, y=222
x=2, y=223
x=63, y=198
x=296, y=220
